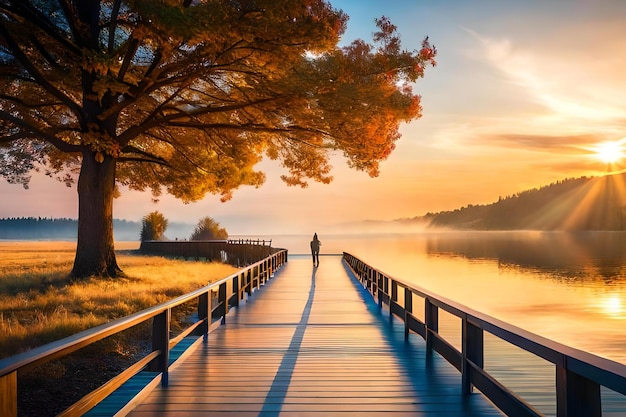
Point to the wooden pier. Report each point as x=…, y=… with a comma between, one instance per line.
x=311, y=343
x=341, y=339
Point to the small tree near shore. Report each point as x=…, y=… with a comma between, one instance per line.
x=153, y=226
x=208, y=229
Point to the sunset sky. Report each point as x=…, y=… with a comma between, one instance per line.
x=523, y=94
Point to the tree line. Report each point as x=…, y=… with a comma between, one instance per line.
x=26, y=228
x=153, y=226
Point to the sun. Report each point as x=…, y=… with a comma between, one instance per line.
x=610, y=152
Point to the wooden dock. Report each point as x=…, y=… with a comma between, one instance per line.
x=311, y=343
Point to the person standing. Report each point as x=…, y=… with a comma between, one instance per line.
x=315, y=250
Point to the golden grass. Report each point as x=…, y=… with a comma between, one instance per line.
x=38, y=304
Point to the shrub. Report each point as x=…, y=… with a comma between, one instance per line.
x=153, y=226
x=209, y=229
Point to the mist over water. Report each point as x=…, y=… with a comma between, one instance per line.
x=569, y=287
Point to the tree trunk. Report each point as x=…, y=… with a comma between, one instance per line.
x=95, y=252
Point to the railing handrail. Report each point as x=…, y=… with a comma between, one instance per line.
x=250, y=276
x=598, y=370
x=237, y=241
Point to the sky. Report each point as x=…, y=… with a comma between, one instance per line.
x=524, y=94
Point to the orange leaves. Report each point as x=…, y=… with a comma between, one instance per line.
x=372, y=94
x=100, y=142
x=428, y=52
x=188, y=99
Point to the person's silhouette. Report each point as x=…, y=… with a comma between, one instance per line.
x=315, y=250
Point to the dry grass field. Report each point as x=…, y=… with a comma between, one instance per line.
x=38, y=304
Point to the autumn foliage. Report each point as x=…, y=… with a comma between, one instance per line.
x=186, y=97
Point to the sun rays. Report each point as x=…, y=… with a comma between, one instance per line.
x=595, y=205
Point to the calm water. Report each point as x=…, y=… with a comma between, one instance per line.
x=569, y=287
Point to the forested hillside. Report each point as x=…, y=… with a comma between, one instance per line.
x=586, y=203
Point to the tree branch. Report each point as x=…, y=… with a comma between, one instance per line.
x=40, y=134
x=33, y=15
x=149, y=156
x=150, y=123
x=123, y=159
x=34, y=72
x=23, y=103
x=115, y=9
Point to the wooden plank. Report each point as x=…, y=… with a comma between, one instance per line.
x=8, y=395
x=312, y=342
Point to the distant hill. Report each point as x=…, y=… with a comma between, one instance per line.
x=40, y=228
x=594, y=203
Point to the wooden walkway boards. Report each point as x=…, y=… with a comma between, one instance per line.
x=310, y=343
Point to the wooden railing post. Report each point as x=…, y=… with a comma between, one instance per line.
x=161, y=342
x=385, y=283
x=236, y=291
x=360, y=270
x=380, y=287
x=576, y=396
x=394, y=295
x=408, y=309
x=255, y=278
x=243, y=284
x=263, y=272
x=249, y=286
x=8, y=395
x=222, y=301
x=204, y=313
x=473, y=350
x=431, y=316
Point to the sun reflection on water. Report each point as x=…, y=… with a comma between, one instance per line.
x=612, y=306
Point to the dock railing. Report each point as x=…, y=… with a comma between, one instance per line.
x=215, y=298
x=579, y=375
x=237, y=252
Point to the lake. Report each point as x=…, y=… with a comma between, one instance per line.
x=568, y=287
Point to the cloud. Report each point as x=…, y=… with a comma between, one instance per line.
x=579, y=85
x=571, y=144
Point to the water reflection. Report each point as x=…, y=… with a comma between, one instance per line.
x=572, y=256
x=612, y=305
x=565, y=286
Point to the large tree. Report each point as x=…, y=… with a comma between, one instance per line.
x=186, y=96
